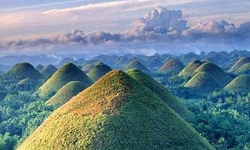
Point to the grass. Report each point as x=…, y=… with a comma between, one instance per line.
x=68, y=91
x=172, y=65
x=135, y=64
x=239, y=63
x=162, y=93
x=48, y=71
x=117, y=113
x=98, y=71
x=240, y=83
x=244, y=69
x=188, y=71
x=87, y=67
x=61, y=77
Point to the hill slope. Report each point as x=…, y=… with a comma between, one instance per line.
x=117, y=113
x=172, y=65
x=240, y=83
x=216, y=72
x=87, y=67
x=190, y=68
x=162, y=93
x=244, y=69
x=135, y=64
x=98, y=71
x=48, y=71
x=239, y=63
x=62, y=76
x=66, y=93
x=203, y=82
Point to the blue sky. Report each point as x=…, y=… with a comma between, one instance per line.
x=54, y=25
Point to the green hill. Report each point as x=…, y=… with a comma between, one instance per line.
x=216, y=72
x=203, y=82
x=162, y=93
x=244, y=69
x=172, y=65
x=117, y=113
x=87, y=67
x=27, y=84
x=39, y=67
x=62, y=76
x=98, y=71
x=239, y=63
x=190, y=68
x=66, y=93
x=154, y=63
x=240, y=83
x=120, y=62
x=135, y=64
x=48, y=71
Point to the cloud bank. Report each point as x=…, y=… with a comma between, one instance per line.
x=167, y=27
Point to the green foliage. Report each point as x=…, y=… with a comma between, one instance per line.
x=48, y=71
x=98, y=71
x=244, y=69
x=239, y=63
x=240, y=83
x=188, y=71
x=87, y=67
x=172, y=65
x=135, y=64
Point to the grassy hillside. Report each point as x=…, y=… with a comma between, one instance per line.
x=240, y=83
x=62, y=76
x=162, y=93
x=135, y=64
x=203, y=82
x=216, y=72
x=87, y=67
x=190, y=68
x=117, y=113
x=39, y=67
x=66, y=93
x=154, y=63
x=98, y=71
x=244, y=69
x=239, y=63
x=172, y=65
x=48, y=71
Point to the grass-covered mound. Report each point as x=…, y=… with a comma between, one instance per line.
x=87, y=67
x=62, y=76
x=161, y=92
x=239, y=63
x=26, y=84
x=117, y=113
x=120, y=62
x=240, y=83
x=172, y=65
x=135, y=64
x=244, y=69
x=216, y=72
x=203, y=82
x=48, y=71
x=98, y=71
x=39, y=67
x=66, y=93
x=190, y=68
x=154, y=63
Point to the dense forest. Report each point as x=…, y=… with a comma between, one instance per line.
x=214, y=86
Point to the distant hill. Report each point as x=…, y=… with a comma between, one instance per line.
x=244, y=69
x=120, y=62
x=117, y=113
x=66, y=93
x=203, y=82
x=135, y=64
x=216, y=72
x=154, y=63
x=190, y=68
x=172, y=65
x=239, y=63
x=98, y=71
x=87, y=67
x=48, y=71
x=62, y=76
x=240, y=83
x=39, y=67
x=162, y=93
x=26, y=84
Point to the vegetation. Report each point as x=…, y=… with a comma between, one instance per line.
x=240, y=83
x=172, y=65
x=244, y=69
x=188, y=71
x=239, y=63
x=87, y=67
x=61, y=77
x=98, y=71
x=48, y=71
x=68, y=91
x=135, y=64
x=116, y=112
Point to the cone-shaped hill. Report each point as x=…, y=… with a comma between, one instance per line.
x=244, y=69
x=190, y=68
x=172, y=65
x=26, y=84
x=162, y=93
x=154, y=63
x=66, y=93
x=87, y=67
x=98, y=71
x=62, y=76
x=216, y=72
x=120, y=62
x=39, y=67
x=135, y=64
x=19, y=72
x=48, y=71
x=240, y=83
x=203, y=82
x=239, y=63
x=117, y=113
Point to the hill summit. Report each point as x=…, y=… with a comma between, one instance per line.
x=118, y=113
x=68, y=72
x=99, y=70
x=135, y=64
x=239, y=63
x=240, y=83
x=190, y=68
x=172, y=65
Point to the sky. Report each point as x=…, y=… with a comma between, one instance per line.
x=40, y=25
